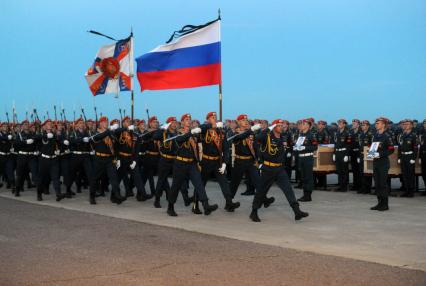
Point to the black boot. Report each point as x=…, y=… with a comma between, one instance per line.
x=385, y=204
x=17, y=192
x=379, y=204
x=114, y=199
x=93, y=200
x=253, y=216
x=208, y=209
x=78, y=189
x=306, y=197
x=130, y=193
x=231, y=206
x=268, y=201
x=196, y=208
x=186, y=200
x=157, y=204
x=171, y=210
x=59, y=197
x=407, y=195
x=39, y=194
x=298, y=214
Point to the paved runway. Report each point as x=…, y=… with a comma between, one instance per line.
x=42, y=245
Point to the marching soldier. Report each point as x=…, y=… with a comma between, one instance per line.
x=27, y=156
x=288, y=145
x=49, y=162
x=186, y=166
x=151, y=156
x=215, y=154
x=127, y=161
x=6, y=161
x=305, y=147
x=384, y=147
x=104, y=162
x=64, y=155
x=322, y=137
x=365, y=140
x=354, y=154
x=168, y=151
x=272, y=149
x=407, y=154
x=342, y=143
x=245, y=155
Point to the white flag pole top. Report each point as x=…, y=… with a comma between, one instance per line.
x=131, y=64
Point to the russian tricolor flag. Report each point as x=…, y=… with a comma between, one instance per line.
x=192, y=60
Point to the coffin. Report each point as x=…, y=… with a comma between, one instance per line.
x=323, y=159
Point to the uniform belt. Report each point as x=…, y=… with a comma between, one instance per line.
x=141, y=153
x=4, y=154
x=212, y=158
x=407, y=153
x=153, y=153
x=243, y=157
x=80, y=152
x=103, y=154
x=341, y=149
x=355, y=150
x=306, y=154
x=48, y=157
x=168, y=156
x=27, y=153
x=272, y=164
x=125, y=154
x=188, y=160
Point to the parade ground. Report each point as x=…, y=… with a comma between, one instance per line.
x=342, y=242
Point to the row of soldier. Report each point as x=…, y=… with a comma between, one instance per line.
x=107, y=153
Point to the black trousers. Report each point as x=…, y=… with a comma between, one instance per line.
x=209, y=169
x=366, y=181
x=342, y=169
x=64, y=162
x=380, y=173
x=7, y=169
x=49, y=171
x=78, y=164
x=165, y=168
x=182, y=171
x=125, y=174
x=423, y=166
x=408, y=173
x=356, y=171
x=242, y=167
x=25, y=163
x=268, y=176
x=306, y=167
x=287, y=164
x=101, y=166
x=149, y=169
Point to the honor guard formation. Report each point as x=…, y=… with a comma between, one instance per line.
x=120, y=157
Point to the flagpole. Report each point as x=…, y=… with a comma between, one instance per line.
x=220, y=84
x=131, y=75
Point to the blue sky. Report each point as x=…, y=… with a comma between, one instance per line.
x=280, y=59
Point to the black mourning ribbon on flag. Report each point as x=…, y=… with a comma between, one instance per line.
x=187, y=29
x=100, y=34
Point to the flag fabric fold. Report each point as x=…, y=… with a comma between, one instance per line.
x=112, y=69
x=192, y=60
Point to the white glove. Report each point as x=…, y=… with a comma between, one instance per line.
x=272, y=127
x=66, y=142
x=85, y=139
x=294, y=148
x=358, y=160
x=288, y=155
x=57, y=152
x=260, y=166
x=118, y=164
x=376, y=155
x=30, y=141
x=113, y=127
x=131, y=127
x=420, y=161
x=334, y=158
x=9, y=137
x=345, y=159
x=222, y=169
x=92, y=152
x=255, y=127
x=301, y=148
x=165, y=126
x=399, y=161
x=219, y=124
x=412, y=161
x=133, y=165
x=50, y=135
x=196, y=130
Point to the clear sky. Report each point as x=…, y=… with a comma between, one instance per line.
x=280, y=59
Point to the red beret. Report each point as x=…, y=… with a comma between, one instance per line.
x=210, y=114
x=365, y=122
x=242, y=117
x=46, y=121
x=78, y=120
x=356, y=120
x=170, y=119
x=322, y=122
x=103, y=118
x=383, y=119
x=342, y=120
x=277, y=121
x=142, y=121
x=307, y=120
x=151, y=119
x=186, y=115
x=125, y=118
x=90, y=121
x=311, y=119
x=25, y=121
x=3, y=123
